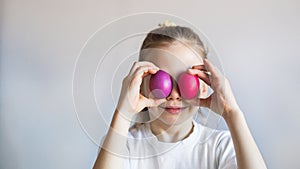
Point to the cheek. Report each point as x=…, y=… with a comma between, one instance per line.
x=155, y=112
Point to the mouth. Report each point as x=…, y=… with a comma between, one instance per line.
x=173, y=109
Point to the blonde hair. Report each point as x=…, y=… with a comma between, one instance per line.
x=168, y=33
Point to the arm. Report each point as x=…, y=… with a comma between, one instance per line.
x=130, y=102
x=248, y=155
x=223, y=102
x=115, y=141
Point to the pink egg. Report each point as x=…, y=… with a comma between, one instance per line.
x=160, y=84
x=188, y=85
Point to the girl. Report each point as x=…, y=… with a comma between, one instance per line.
x=171, y=138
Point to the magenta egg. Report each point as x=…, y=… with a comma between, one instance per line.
x=160, y=84
x=188, y=85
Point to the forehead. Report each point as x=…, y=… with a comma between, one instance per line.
x=174, y=59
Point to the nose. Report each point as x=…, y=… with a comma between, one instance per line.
x=175, y=93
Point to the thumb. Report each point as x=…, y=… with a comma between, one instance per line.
x=155, y=102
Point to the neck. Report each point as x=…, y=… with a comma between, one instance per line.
x=171, y=133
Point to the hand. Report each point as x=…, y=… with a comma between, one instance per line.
x=131, y=101
x=222, y=99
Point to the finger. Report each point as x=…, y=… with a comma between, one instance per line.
x=216, y=75
x=138, y=76
x=136, y=65
x=200, y=67
x=133, y=67
x=154, y=102
x=212, y=69
x=202, y=75
x=145, y=70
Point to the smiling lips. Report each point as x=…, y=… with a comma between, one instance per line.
x=173, y=109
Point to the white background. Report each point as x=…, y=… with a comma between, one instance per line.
x=258, y=42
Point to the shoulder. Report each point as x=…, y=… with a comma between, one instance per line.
x=139, y=140
x=218, y=140
x=216, y=136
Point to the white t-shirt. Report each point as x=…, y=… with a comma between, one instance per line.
x=204, y=148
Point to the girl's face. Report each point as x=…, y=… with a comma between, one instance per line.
x=174, y=59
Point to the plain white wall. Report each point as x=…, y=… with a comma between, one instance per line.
x=40, y=41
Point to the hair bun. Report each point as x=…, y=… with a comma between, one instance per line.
x=167, y=23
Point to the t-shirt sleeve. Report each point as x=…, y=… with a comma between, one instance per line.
x=127, y=159
x=226, y=153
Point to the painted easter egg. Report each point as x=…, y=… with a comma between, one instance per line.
x=160, y=84
x=188, y=85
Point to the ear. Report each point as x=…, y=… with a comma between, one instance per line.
x=203, y=89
